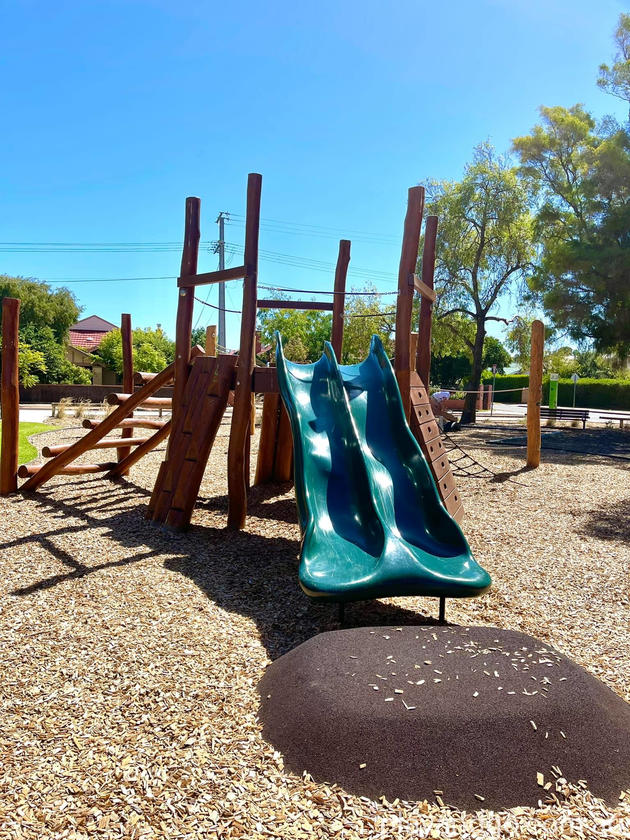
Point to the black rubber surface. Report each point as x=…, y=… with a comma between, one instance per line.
x=462, y=724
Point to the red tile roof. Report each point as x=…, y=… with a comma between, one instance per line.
x=86, y=340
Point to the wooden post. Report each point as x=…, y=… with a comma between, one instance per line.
x=423, y=353
x=241, y=413
x=406, y=270
x=127, y=359
x=10, y=395
x=186, y=301
x=339, y=299
x=211, y=340
x=413, y=346
x=535, y=394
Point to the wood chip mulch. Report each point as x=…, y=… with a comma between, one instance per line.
x=132, y=655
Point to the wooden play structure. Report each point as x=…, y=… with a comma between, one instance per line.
x=204, y=383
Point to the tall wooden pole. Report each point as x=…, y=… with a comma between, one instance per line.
x=423, y=351
x=406, y=270
x=186, y=301
x=10, y=396
x=341, y=272
x=211, y=340
x=127, y=383
x=535, y=394
x=241, y=413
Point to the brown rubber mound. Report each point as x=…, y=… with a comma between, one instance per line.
x=468, y=711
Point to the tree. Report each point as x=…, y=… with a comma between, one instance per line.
x=494, y=353
x=56, y=367
x=483, y=250
x=580, y=181
x=152, y=350
x=303, y=331
x=367, y=313
x=40, y=306
x=30, y=364
x=616, y=79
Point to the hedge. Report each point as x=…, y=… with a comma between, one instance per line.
x=608, y=394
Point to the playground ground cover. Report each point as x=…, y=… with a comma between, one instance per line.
x=132, y=655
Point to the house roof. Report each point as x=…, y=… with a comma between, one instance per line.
x=93, y=324
x=87, y=341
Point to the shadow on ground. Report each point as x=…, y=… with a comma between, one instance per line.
x=246, y=572
x=608, y=522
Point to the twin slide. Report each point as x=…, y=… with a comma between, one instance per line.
x=372, y=521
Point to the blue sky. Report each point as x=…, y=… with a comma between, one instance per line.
x=114, y=111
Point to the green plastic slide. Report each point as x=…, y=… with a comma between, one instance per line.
x=372, y=520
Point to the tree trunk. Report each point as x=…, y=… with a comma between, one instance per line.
x=469, y=414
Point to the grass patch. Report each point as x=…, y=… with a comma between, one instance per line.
x=26, y=450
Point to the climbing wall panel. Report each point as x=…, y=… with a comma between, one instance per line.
x=426, y=431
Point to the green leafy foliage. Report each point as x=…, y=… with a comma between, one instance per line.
x=305, y=331
x=152, y=350
x=580, y=181
x=55, y=367
x=616, y=79
x=484, y=249
x=40, y=306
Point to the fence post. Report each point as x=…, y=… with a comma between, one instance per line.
x=10, y=395
x=535, y=395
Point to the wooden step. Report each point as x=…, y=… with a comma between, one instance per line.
x=106, y=443
x=27, y=470
x=158, y=402
x=129, y=424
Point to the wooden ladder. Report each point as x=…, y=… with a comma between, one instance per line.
x=196, y=424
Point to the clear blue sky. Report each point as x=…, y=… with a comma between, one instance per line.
x=114, y=111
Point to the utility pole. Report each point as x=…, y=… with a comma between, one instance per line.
x=219, y=249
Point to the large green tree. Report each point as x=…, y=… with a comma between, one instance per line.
x=484, y=249
x=152, y=350
x=580, y=179
x=46, y=316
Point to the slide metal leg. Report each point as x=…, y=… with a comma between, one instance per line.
x=442, y=618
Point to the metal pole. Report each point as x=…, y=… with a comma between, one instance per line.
x=220, y=249
x=574, y=387
x=494, y=385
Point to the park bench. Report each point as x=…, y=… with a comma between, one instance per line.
x=612, y=416
x=565, y=414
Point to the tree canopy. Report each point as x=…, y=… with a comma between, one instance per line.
x=41, y=306
x=484, y=249
x=152, y=350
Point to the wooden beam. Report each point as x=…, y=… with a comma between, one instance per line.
x=33, y=470
x=141, y=377
x=535, y=394
x=265, y=381
x=106, y=443
x=407, y=267
x=140, y=451
x=10, y=396
x=295, y=304
x=186, y=300
x=136, y=423
x=341, y=272
x=268, y=437
x=157, y=402
x=110, y=422
x=211, y=340
x=127, y=359
x=421, y=287
x=191, y=280
x=423, y=351
x=413, y=345
x=241, y=413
